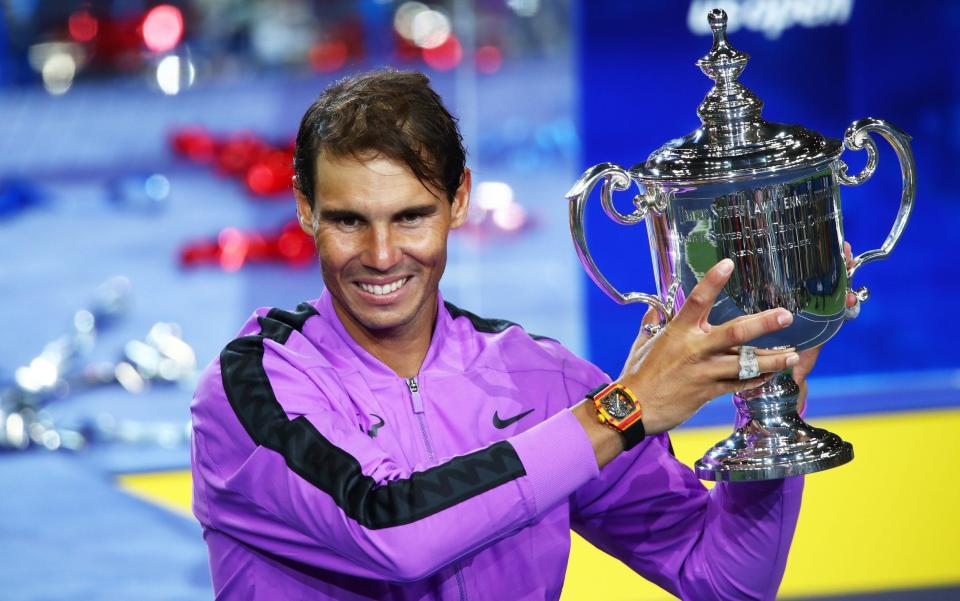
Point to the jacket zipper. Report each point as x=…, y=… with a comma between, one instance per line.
x=417, y=401
x=421, y=421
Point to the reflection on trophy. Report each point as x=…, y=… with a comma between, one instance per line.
x=767, y=196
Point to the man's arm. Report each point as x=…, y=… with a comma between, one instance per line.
x=652, y=513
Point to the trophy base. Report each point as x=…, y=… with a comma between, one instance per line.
x=773, y=447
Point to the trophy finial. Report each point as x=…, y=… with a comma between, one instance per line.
x=729, y=106
x=723, y=63
x=718, y=22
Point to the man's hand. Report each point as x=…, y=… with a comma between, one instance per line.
x=689, y=362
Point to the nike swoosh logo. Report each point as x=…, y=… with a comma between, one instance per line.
x=500, y=424
x=372, y=432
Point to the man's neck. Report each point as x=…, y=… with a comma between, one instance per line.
x=403, y=349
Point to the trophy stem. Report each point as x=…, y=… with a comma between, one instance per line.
x=772, y=441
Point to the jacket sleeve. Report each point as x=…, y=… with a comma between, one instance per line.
x=651, y=512
x=306, y=485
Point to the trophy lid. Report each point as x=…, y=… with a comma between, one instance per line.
x=733, y=141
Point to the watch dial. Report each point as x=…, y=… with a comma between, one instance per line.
x=617, y=405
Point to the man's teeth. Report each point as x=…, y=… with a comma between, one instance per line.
x=380, y=290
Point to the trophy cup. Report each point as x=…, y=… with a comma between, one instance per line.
x=766, y=195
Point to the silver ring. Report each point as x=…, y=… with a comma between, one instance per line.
x=749, y=367
x=652, y=329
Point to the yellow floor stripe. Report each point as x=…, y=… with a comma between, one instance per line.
x=888, y=520
x=170, y=490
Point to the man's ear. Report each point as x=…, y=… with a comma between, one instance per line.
x=461, y=201
x=304, y=209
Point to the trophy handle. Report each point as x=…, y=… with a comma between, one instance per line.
x=857, y=137
x=614, y=178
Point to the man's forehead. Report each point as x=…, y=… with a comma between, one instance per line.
x=342, y=179
x=368, y=159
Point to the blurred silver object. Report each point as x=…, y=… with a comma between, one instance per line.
x=766, y=195
x=162, y=356
x=46, y=371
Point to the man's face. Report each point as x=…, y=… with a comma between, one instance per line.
x=381, y=237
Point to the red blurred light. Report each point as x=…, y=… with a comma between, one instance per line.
x=446, y=56
x=238, y=153
x=162, y=28
x=197, y=253
x=328, y=56
x=233, y=249
x=83, y=26
x=259, y=248
x=271, y=174
x=195, y=143
x=260, y=179
x=489, y=59
x=294, y=246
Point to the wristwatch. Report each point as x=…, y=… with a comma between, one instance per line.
x=617, y=408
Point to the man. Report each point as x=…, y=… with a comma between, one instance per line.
x=378, y=443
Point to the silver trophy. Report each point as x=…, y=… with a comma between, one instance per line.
x=767, y=196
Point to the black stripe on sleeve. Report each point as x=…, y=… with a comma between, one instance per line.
x=331, y=469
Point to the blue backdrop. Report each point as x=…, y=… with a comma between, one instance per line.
x=888, y=59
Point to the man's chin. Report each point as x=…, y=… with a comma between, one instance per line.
x=382, y=320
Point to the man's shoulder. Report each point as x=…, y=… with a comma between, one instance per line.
x=259, y=374
x=277, y=324
x=521, y=349
x=490, y=325
x=280, y=329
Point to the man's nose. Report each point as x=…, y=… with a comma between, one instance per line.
x=382, y=251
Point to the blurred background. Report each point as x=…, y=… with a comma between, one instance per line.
x=145, y=211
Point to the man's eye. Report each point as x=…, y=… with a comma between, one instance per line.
x=411, y=218
x=347, y=222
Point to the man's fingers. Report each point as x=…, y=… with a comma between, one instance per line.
x=737, y=386
x=848, y=255
x=700, y=300
x=735, y=351
x=652, y=316
x=744, y=329
x=727, y=367
x=808, y=359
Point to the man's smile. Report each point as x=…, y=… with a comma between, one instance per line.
x=382, y=288
x=383, y=291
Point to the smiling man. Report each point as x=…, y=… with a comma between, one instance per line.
x=380, y=443
x=382, y=236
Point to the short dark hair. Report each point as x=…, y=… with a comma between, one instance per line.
x=386, y=112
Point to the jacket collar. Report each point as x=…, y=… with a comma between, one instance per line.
x=359, y=356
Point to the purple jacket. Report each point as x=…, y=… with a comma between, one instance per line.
x=321, y=474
